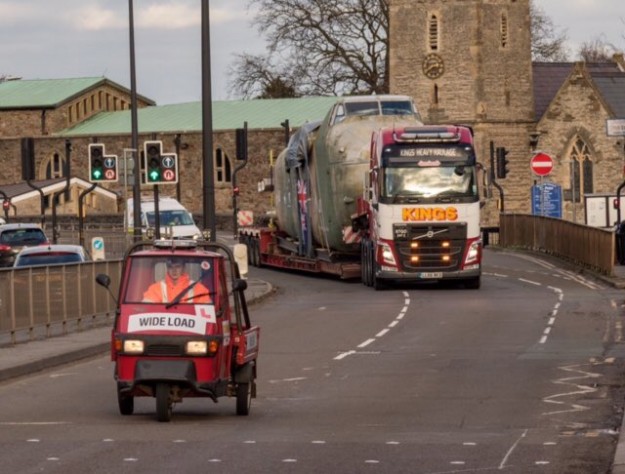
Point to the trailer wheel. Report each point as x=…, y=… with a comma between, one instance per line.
x=254, y=251
x=126, y=404
x=259, y=263
x=163, y=406
x=244, y=398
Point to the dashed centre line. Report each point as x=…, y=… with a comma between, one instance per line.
x=383, y=332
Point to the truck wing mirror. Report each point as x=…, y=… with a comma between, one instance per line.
x=103, y=280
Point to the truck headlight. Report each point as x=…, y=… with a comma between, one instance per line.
x=387, y=254
x=473, y=254
x=133, y=346
x=196, y=348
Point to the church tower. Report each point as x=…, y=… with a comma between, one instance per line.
x=469, y=62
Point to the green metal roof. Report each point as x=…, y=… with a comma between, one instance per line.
x=43, y=93
x=227, y=115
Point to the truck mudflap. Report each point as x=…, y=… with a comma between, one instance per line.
x=247, y=345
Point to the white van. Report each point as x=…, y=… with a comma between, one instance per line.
x=173, y=217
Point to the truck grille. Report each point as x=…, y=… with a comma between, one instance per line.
x=430, y=248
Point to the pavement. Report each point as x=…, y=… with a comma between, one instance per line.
x=34, y=356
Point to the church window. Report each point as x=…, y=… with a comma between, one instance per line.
x=223, y=173
x=503, y=29
x=433, y=33
x=435, y=95
x=581, y=170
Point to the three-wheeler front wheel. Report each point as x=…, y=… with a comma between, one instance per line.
x=163, y=404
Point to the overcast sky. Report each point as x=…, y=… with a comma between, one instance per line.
x=45, y=39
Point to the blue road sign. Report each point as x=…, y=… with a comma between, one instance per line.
x=547, y=200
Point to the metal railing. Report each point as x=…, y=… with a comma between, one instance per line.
x=588, y=247
x=40, y=302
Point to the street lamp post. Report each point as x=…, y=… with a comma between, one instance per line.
x=136, y=190
x=207, y=128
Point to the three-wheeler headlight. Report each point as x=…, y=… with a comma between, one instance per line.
x=133, y=346
x=196, y=348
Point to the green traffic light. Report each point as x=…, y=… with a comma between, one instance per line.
x=96, y=174
x=154, y=175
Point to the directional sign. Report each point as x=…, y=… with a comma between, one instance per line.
x=541, y=164
x=97, y=248
x=547, y=200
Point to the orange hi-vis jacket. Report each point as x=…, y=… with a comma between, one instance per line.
x=165, y=290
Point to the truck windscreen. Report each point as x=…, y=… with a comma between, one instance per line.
x=429, y=182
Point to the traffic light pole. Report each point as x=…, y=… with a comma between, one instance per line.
x=81, y=224
x=493, y=178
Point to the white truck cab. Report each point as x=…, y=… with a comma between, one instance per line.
x=174, y=218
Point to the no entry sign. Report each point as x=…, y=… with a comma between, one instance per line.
x=541, y=164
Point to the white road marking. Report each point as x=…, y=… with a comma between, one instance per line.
x=366, y=343
x=530, y=282
x=372, y=461
x=34, y=423
x=571, y=381
x=383, y=332
x=52, y=459
x=512, y=448
x=318, y=442
x=131, y=459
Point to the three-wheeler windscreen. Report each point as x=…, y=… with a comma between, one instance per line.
x=168, y=279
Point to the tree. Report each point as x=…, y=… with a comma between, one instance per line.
x=547, y=42
x=318, y=47
x=332, y=47
x=596, y=51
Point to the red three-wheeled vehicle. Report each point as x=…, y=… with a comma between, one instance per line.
x=182, y=327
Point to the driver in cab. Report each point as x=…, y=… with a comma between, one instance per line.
x=176, y=283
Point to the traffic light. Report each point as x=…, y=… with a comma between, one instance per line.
x=160, y=168
x=6, y=205
x=102, y=167
x=502, y=162
x=241, y=137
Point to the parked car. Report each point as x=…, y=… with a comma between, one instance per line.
x=53, y=254
x=14, y=237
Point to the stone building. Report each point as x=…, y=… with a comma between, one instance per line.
x=464, y=61
x=469, y=62
x=80, y=118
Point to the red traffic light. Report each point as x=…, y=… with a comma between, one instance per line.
x=235, y=190
x=6, y=205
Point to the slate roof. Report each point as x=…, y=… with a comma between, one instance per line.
x=227, y=115
x=612, y=88
x=49, y=93
x=607, y=77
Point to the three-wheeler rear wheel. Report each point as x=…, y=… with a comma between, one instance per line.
x=125, y=402
x=244, y=398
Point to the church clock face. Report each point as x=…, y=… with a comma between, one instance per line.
x=433, y=66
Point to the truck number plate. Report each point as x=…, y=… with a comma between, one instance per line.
x=431, y=275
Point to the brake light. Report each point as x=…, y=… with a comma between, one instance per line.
x=4, y=248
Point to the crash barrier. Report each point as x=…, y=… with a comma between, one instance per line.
x=588, y=247
x=41, y=302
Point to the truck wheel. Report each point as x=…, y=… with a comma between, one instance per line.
x=375, y=281
x=163, y=407
x=364, y=263
x=126, y=404
x=244, y=398
x=472, y=283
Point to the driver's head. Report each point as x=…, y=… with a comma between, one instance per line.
x=175, y=268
